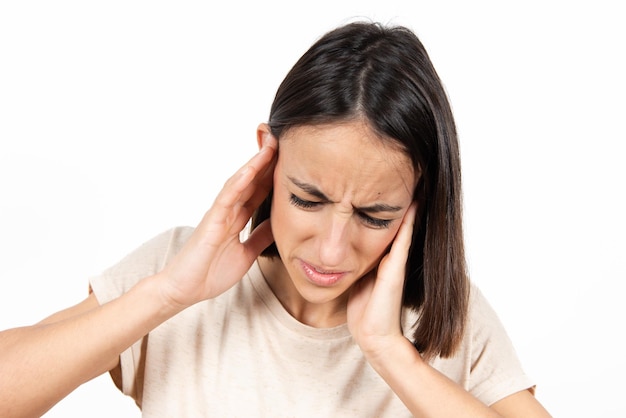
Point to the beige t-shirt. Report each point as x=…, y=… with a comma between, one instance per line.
x=241, y=354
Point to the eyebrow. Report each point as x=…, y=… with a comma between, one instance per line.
x=314, y=191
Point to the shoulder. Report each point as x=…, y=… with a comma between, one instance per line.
x=495, y=368
x=155, y=252
x=480, y=311
x=161, y=247
x=145, y=260
x=484, y=326
x=480, y=316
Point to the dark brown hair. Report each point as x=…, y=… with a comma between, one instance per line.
x=384, y=76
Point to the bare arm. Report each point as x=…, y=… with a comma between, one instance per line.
x=428, y=393
x=520, y=404
x=41, y=364
x=374, y=321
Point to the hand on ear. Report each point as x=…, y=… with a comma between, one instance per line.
x=264, y=136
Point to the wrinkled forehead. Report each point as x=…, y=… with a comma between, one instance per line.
x=349, y=157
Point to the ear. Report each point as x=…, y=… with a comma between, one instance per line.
x=263, y=134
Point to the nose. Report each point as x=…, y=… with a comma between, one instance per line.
x=334, y=243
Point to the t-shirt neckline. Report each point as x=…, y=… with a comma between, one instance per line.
x=260, y=285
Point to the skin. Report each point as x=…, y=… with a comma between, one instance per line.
x=86, y=340
x=42, y=363
x=347, y=167
x=339, y=198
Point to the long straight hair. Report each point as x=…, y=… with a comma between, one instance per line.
x=384, y=76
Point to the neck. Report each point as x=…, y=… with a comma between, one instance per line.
x=319, y=315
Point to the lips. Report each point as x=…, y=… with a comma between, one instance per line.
x=321, y=277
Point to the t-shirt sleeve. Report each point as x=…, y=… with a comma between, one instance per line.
x=145, y=261
x=496, y=371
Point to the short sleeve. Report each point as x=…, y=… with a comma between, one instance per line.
x=145, y=261
x=495, y=371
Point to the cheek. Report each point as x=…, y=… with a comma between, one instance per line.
x=378, y=244
x=285, y=218
x=374, y=244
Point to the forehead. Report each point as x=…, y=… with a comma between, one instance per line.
x=346, y=157
x=337, y=136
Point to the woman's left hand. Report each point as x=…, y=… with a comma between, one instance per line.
x=375, y=302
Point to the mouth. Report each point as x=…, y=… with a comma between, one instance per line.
x=321, y=277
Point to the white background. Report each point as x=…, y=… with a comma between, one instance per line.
x=120, y=119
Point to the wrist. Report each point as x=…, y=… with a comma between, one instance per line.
x=392, y=353
x=154, y=294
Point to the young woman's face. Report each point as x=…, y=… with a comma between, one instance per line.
x=340, y=194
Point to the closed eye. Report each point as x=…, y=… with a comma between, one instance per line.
x=301, y=203
x=370, y=221
x=374, y=222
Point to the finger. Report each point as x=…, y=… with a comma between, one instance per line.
x=237, y=187
x=253, y=172
x=262, y=170
x=260, y=238
x=392, y=269
x=260, y=187
x=402, y=242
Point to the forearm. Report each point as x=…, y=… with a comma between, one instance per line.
x=425, y=391
x=41, y=364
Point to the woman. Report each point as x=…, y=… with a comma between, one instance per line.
x=349, y=297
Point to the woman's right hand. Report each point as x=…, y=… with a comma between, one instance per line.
x=86, y=340
x=214, y=258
